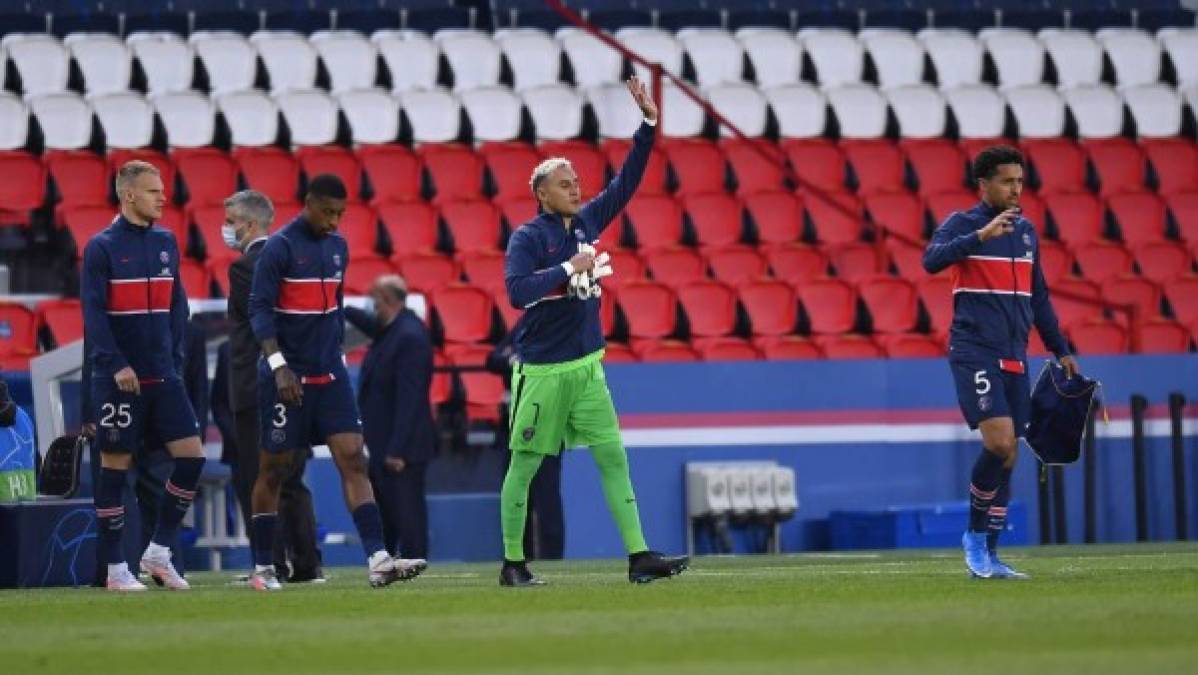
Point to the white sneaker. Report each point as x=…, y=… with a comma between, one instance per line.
x=156, y=562
x=385, y=570
x=265, y=580
x=123, y=581
x=410, y=568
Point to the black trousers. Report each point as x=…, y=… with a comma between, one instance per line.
x=295, y=531
x=401, y=501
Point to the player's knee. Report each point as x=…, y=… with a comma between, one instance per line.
x=1006, y=447
x=352, y=460
x=274, y=473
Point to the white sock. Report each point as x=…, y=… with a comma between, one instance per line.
x=118, y=569
x=157, y=551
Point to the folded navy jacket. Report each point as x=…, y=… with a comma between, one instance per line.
x=1060, y=408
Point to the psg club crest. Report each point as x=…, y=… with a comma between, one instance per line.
x=337, y=259
x=1027, y=239
x=164, y=257
x=278, y=435
x=580, y=235
x=114, y=435
x=984, y=403
x=528, y=433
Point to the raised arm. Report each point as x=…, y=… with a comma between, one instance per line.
x=607, y=204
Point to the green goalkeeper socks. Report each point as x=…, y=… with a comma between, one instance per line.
x=513, y=501
x=617, y=488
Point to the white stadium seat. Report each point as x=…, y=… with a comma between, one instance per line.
x=838, y=57
x=979, y=110
x=351, y=59
x=1181, y=44
x=167, y=61
x=956, y=55
x=741, y=104
x=494, y=113
x=1097, y=109
x=1076, y=55
x=473, y=56
x=1135, y=54
x=898, y=57
x=920, y=109
x=127, y=119
x=104, y=60
x=289, y=58
x=14, y=122
x=593, y=62
x=1190, y=94
x=229, y=59
x=801, y=110
x=311, y=116
x=682, y=117
x=435, y=115
x=1039, y=110
x=252, y=116
x=860, y=110
x=1018, y=56
x=373, y=115
x=1156, y=109
x=411, y=58
x=41, y=60
x=65, y=119
x=535, y=57
x=615, y=117
x=776, y=56
x=717, y=56
x=657, y=46
x=556, y=111
x=189, y=118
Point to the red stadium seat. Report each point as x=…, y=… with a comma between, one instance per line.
x=1033, y=208
x=197, y=281
x=82, y=178
x=271, y=171
x=209, y=175
x=738, y=265
x=1120, y=164
x=831, y=305
x=699, y=166
x=517, y=210
x=1133, y=290
x=910, y=346
x=84, y=222
x=892, y=302
x=394, y=172
x=1102, y=260
x=973, y=146
x=442, y=385
x=24, y=187
x=941, y=206
x=771, y=307
x=1184, y=209
x=818, y=164
x=710, y=308
x=174, y=219
x=1163, y=336
x=455, y=171
x=588, y=162
x=906, y=258
x=616, y=352
x=936, y=294
x=218, y=272
x=757, y=166
x=427, y=272
x=1059, y=164
x=484, y=269
x=837, y=218
x=360, y=227
x=797, y=263
x=716, y=218
x=1077, y=217
x=208, y=221
x=510, y=165
x=776, y=216
x=612, y=237
x=1141, y=216
x=411, y=227
x=18, y=332
x=626, y=266
x=315, y=160
x=675, y=267
x=1056, y=262
x=653, y=181
x=1162, y=260
x=897, y=213
x=63, y=318
x=484, y=391
x=848, y=347
x=166, y=169
x=856, y=260
x=649, y=308
x=1174, y=163
x=1084, y=307
x=474, y=226
x=362, y=273
x=656, y=221
x=1098, y=337
x=938, y=164
x=790, y=347
x=728, y=349
x=877, y=164
x=664, y=351
x=607, y=313
x=465, y=312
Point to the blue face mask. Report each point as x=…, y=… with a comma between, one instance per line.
x=229, y=234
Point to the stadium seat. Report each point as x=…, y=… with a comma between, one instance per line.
x=698, y=165
x=166, y=59
x=208, y=221
x=717, y=56
x=1175, y=165
x=941, y=206
x=1100, y=260
x=716, y=219
x=936, y=295
x=1132, y=289
x=24, y=188
x=836, y=218
x=938, y=164
x=435, y=115
x=1181, y=44
x=1141, y=216
x=838, y=57
x=856, y=260
x=1157, y=110
x=801, y=111
x=484, y=391
x=771, y=307
x=653, y=181
x=393, y=171
x=63, y=318
x=494, y=113
x=253, y=117
x=893, y=303
x=373, y=116
x=196, y=279
x=979, y=110
x=1059, y=165
x=1076, y=56
x=1121, y=166
x=831, y=305
x=1134, y=54
x=1162, y=336
x=208, y=174
x=1056, y=261
x=472, y=225
x=509, y=166
x=557, y=112
x=1098, y=111
x=910, y=346
x=907, y=259
x=877, y=165
x=737, y=265
x=1098, y=337
x=594, y=63
x=271, y=171
x=104, y=60
x=797, y=263
x=776, y=57
x=710, y=308
x=1076, y=300
x=656, y=221
x=616, y=352
x=427, y=272
x=789, y=347
x=455, y=171
x=411, y=227
x=1018, y=56
x=956, y=55
x=127, y=120
x=656, y=46
x=229, y=59
x=649, y=309
x=897, y=56
x=777, y=217
x=332, y=159
x=18, y=335
x=362, y=273
x=360, y=227
x=41, y=61
x=667, y=351
x=484, y=270
x=1039, y=111
x=757, y=167
x=411, y=58
x=350, y=58
x=861, y=111
x=473, y=56
x=515, y=211
x=65, y=120
x=1160, y=261
x=674, y=267
x=627, y=267
x=188, y=117
x=818, y=164
x=743, y=106
x=848, y=347
x=727, y=349
x=1034, y=209
x=897, y=213
x=1182, y=294
x=535, y=58
x=311, y=114
x=588, y=162
x=1076, y=216
x=464, y=312
x=85, y=221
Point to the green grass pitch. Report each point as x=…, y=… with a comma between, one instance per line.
x=1108, y=609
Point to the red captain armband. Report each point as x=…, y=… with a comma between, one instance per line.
x=1012, y=366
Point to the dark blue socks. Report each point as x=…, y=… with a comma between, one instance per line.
x=370, y=527
x=983, y=488
x=110, y=513
x=180, y=491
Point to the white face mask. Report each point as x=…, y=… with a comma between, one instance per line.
x=229, y=234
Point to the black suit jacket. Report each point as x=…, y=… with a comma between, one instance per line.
x=393, y=387
x=244, y=349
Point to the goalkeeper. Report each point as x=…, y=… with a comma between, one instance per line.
x=559, y=393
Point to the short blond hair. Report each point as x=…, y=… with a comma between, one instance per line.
x=543, y=170
x=129, y=172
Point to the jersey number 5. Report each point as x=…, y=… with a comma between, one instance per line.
x=979, y=378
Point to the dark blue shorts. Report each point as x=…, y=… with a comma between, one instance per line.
x=985, y=390
x=124, y=420
x=328, y=408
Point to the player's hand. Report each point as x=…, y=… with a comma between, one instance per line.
x=1072, y=370
x=126, y=381
x=290, y=391
x=582, y=262
x=395, y=464
x=1002, y=224
x=644, y=101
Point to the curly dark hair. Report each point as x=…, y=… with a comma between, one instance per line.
x=986, y=164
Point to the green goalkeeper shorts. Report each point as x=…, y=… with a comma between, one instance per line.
x=562, y=405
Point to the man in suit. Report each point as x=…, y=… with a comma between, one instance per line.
x=248, y=216
x=397, y=418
